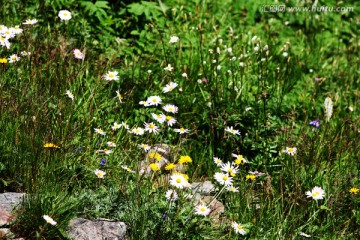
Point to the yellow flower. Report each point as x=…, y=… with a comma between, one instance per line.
x=155, y=155
x=185, y=159
x=154, y=167
x=185, y=176
x=3, y=60
x=354, y=190
x=251, y=177
x=170, y=166
x=50, y=145
x=239, y=160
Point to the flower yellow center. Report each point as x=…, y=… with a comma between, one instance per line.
x=290, y=149
x=111, y=75
x=239, y=227
x=315, y=194
x=202, y=209
x=178, y=180
x=168, y=118
x=225, y=178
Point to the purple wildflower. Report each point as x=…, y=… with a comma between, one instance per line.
x=315, y=123
x=103, y=161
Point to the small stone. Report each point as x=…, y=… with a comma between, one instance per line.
x=84, y=229
x=203, y=187
x=5, y=217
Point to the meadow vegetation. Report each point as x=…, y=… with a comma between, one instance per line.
x=265, y=105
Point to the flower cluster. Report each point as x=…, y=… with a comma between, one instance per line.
x=7, y=33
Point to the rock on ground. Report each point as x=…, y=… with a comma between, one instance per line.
x=7, y=202
x=84, y=229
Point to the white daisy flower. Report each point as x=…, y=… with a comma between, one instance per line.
x=116, y=126
x=4, y=42
x=223, y=178
x=179, y=181
x=111, y=76
x=170, y=120
x=25, y=53
x=99, y=173
x=161, y=118
x=17, y=29
x=151, y=128
x=169, y=87
x=100, y=131
x=119, y=96
x=30, y=22
x=290, y=150
x=13, y=58
x=171, y=195
x=64, y=15
x=217, y=161
x=127, y=169
x=316, y=193
x=168, y=68
x=232, y=130
x=70, y=95
x=144, y=146
x=174, y=39
x=232, y=189
x=137, y=131
x=202, y=210
x=125, y=125
x=229, y=168
x=111, y=144
x=78, y=54
x=153, y=100
x=49, y=220
x=238, y=228
x=106, y=151
x=182, y=130
x=170, y=108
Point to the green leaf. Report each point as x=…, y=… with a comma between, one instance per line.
x=102, y=4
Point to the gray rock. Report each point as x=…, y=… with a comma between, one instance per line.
x=203, y=187
x=84, y=229
x=9, y=200
x=4, y=232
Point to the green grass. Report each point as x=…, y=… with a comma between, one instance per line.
x=237, y=75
